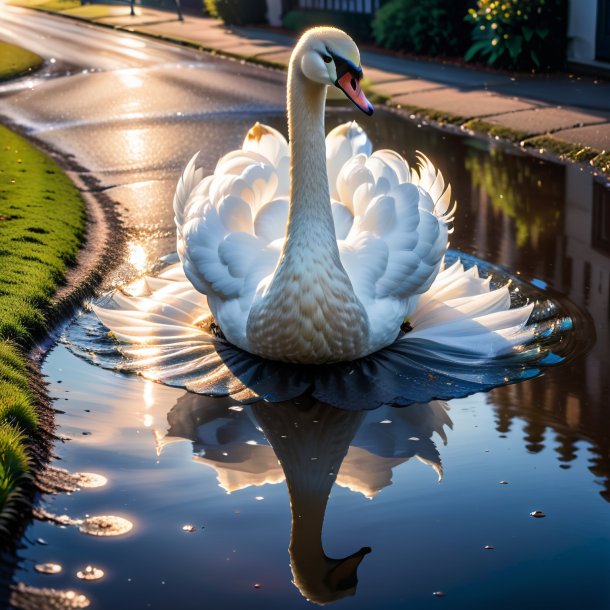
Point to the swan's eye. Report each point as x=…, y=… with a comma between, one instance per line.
x=353, y=84
x=327, y=58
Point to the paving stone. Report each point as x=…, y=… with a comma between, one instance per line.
x=543, y=120
x=495, y=97
x=467, y=104
x=595, y=136
x=280, y=57
x=266, y=50
x=406, y=85
x=380, y=76
x=217, y=40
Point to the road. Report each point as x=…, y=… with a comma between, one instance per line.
x=132, y=111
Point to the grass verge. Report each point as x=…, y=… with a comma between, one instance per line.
x=48, y=5
x=496, y=131
x=15, y=61
x=42, y=224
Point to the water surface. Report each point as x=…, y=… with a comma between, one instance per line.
x=426, y=487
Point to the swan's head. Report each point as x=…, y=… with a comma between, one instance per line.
x=325, y=580
x=329, y=56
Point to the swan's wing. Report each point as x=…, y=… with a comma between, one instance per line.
x=342, y=143
x=226, y=223
x=400, y=225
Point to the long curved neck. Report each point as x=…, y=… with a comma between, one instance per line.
x=308, y=312
x=310, y=209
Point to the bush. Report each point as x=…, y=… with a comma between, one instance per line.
x=435, y=27
x=238, y=12
x=358, y=26
x=519, y=34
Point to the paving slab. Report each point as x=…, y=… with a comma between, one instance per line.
x=563, y=90
x=595, y=136
x=443, y=73
x=407, y=85
x=264, y=51
x=544, y=120
x=279, y=57
x=217, y=40
x=399, y=89
x=467, y=104
x=380, y=76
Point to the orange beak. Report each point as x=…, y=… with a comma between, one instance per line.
x=350, y=85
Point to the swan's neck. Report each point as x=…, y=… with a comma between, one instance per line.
x=310, y=209
x=308, y=312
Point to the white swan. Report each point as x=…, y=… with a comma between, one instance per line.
x=325, y=262
x=289, y=273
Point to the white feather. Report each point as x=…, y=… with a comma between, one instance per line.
x=391, y=224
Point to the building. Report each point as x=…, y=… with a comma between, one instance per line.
x=588, y=25
x=589, y=34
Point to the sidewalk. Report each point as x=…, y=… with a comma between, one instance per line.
x=562, y=114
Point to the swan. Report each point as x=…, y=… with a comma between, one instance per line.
x=322, y=251
x=313, y=251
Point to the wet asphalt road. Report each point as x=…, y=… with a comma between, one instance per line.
x=132, y=111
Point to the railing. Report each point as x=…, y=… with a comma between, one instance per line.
x=366, y=7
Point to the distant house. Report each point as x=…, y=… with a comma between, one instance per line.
x=279, y=7
x=589, y=34
x=588, y=25
x=349, y=6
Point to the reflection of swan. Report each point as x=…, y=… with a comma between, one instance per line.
x=315, y=445
x=310, y=444
x=229, y=439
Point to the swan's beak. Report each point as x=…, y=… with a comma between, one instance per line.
x=348, y=80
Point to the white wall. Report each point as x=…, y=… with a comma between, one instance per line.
x=274, y=12
x=582, y=28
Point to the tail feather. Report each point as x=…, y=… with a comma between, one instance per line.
x=191, y=176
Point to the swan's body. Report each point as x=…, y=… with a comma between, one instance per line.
x=289, y=273
x=319, y=263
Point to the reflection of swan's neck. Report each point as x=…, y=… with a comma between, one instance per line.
x=310, y=446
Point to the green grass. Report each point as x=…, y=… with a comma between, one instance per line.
x=564, y=150
x=496, y=131
x=15, y=61
x=47, y=5
x=42, y=223
x=74, y=8
x=96, y=11
x=14, y=462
